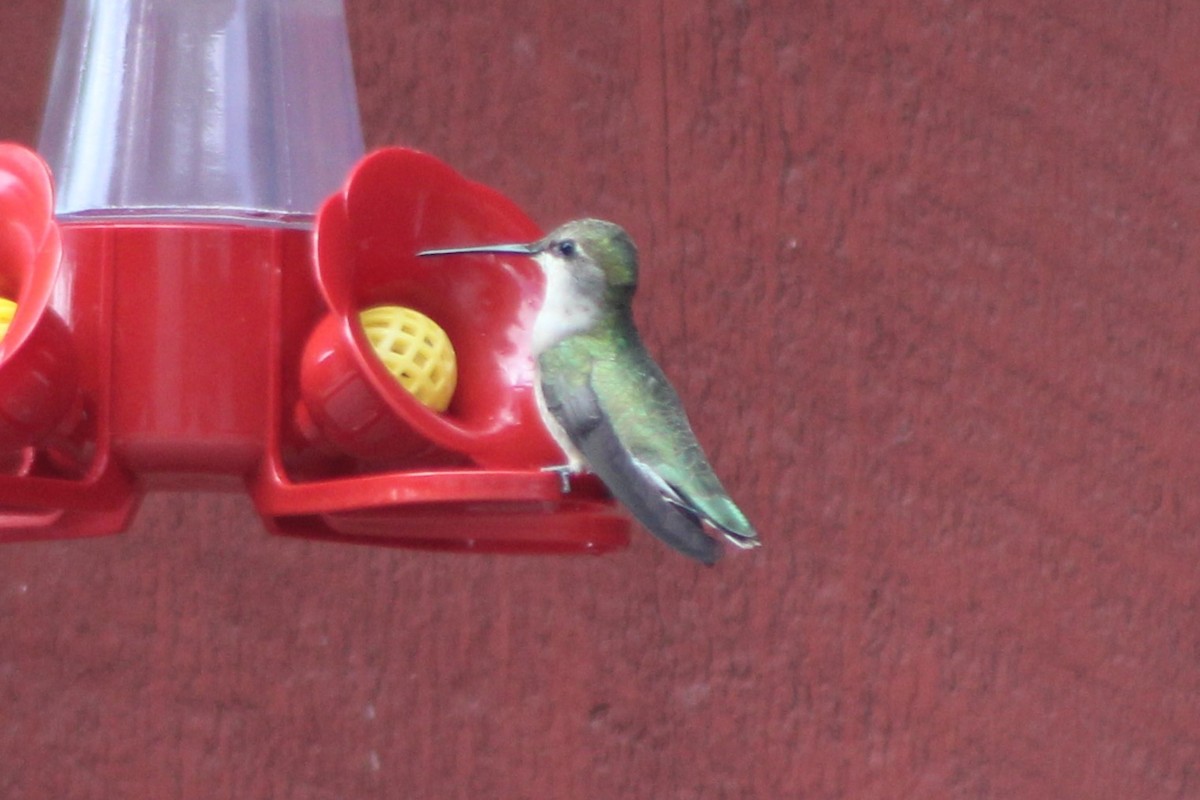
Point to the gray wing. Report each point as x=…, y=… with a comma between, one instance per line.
x=643, y=404
x=638, y=489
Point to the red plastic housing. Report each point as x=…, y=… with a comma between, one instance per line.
x=215, y=356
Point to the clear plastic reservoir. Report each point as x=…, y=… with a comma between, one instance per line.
x=242, y=110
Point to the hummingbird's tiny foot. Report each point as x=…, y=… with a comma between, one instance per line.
x=564, y=476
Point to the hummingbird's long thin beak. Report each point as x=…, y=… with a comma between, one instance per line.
x=512, y=249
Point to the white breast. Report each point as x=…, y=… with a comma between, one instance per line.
x=564, y=310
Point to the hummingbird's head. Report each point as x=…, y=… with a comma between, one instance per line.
x=597, y=257
x=587, y=260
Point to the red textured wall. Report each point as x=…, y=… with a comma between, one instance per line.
x=926, y=275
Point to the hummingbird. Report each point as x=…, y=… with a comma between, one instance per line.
x=605, y=401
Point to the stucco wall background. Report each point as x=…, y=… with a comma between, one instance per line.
x=925, y=274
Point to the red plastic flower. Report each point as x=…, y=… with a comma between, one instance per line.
x=395, y=203
x=38, y=368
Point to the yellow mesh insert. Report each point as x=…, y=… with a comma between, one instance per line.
x=415, y=350
x=7, y=309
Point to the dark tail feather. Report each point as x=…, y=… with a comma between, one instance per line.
x=672, y=524
x=677, y=526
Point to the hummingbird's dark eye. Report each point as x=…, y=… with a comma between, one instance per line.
x=566, y=248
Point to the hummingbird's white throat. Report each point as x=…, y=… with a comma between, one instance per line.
x=566, y=308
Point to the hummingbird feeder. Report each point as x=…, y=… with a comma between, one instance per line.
x=223, y=292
